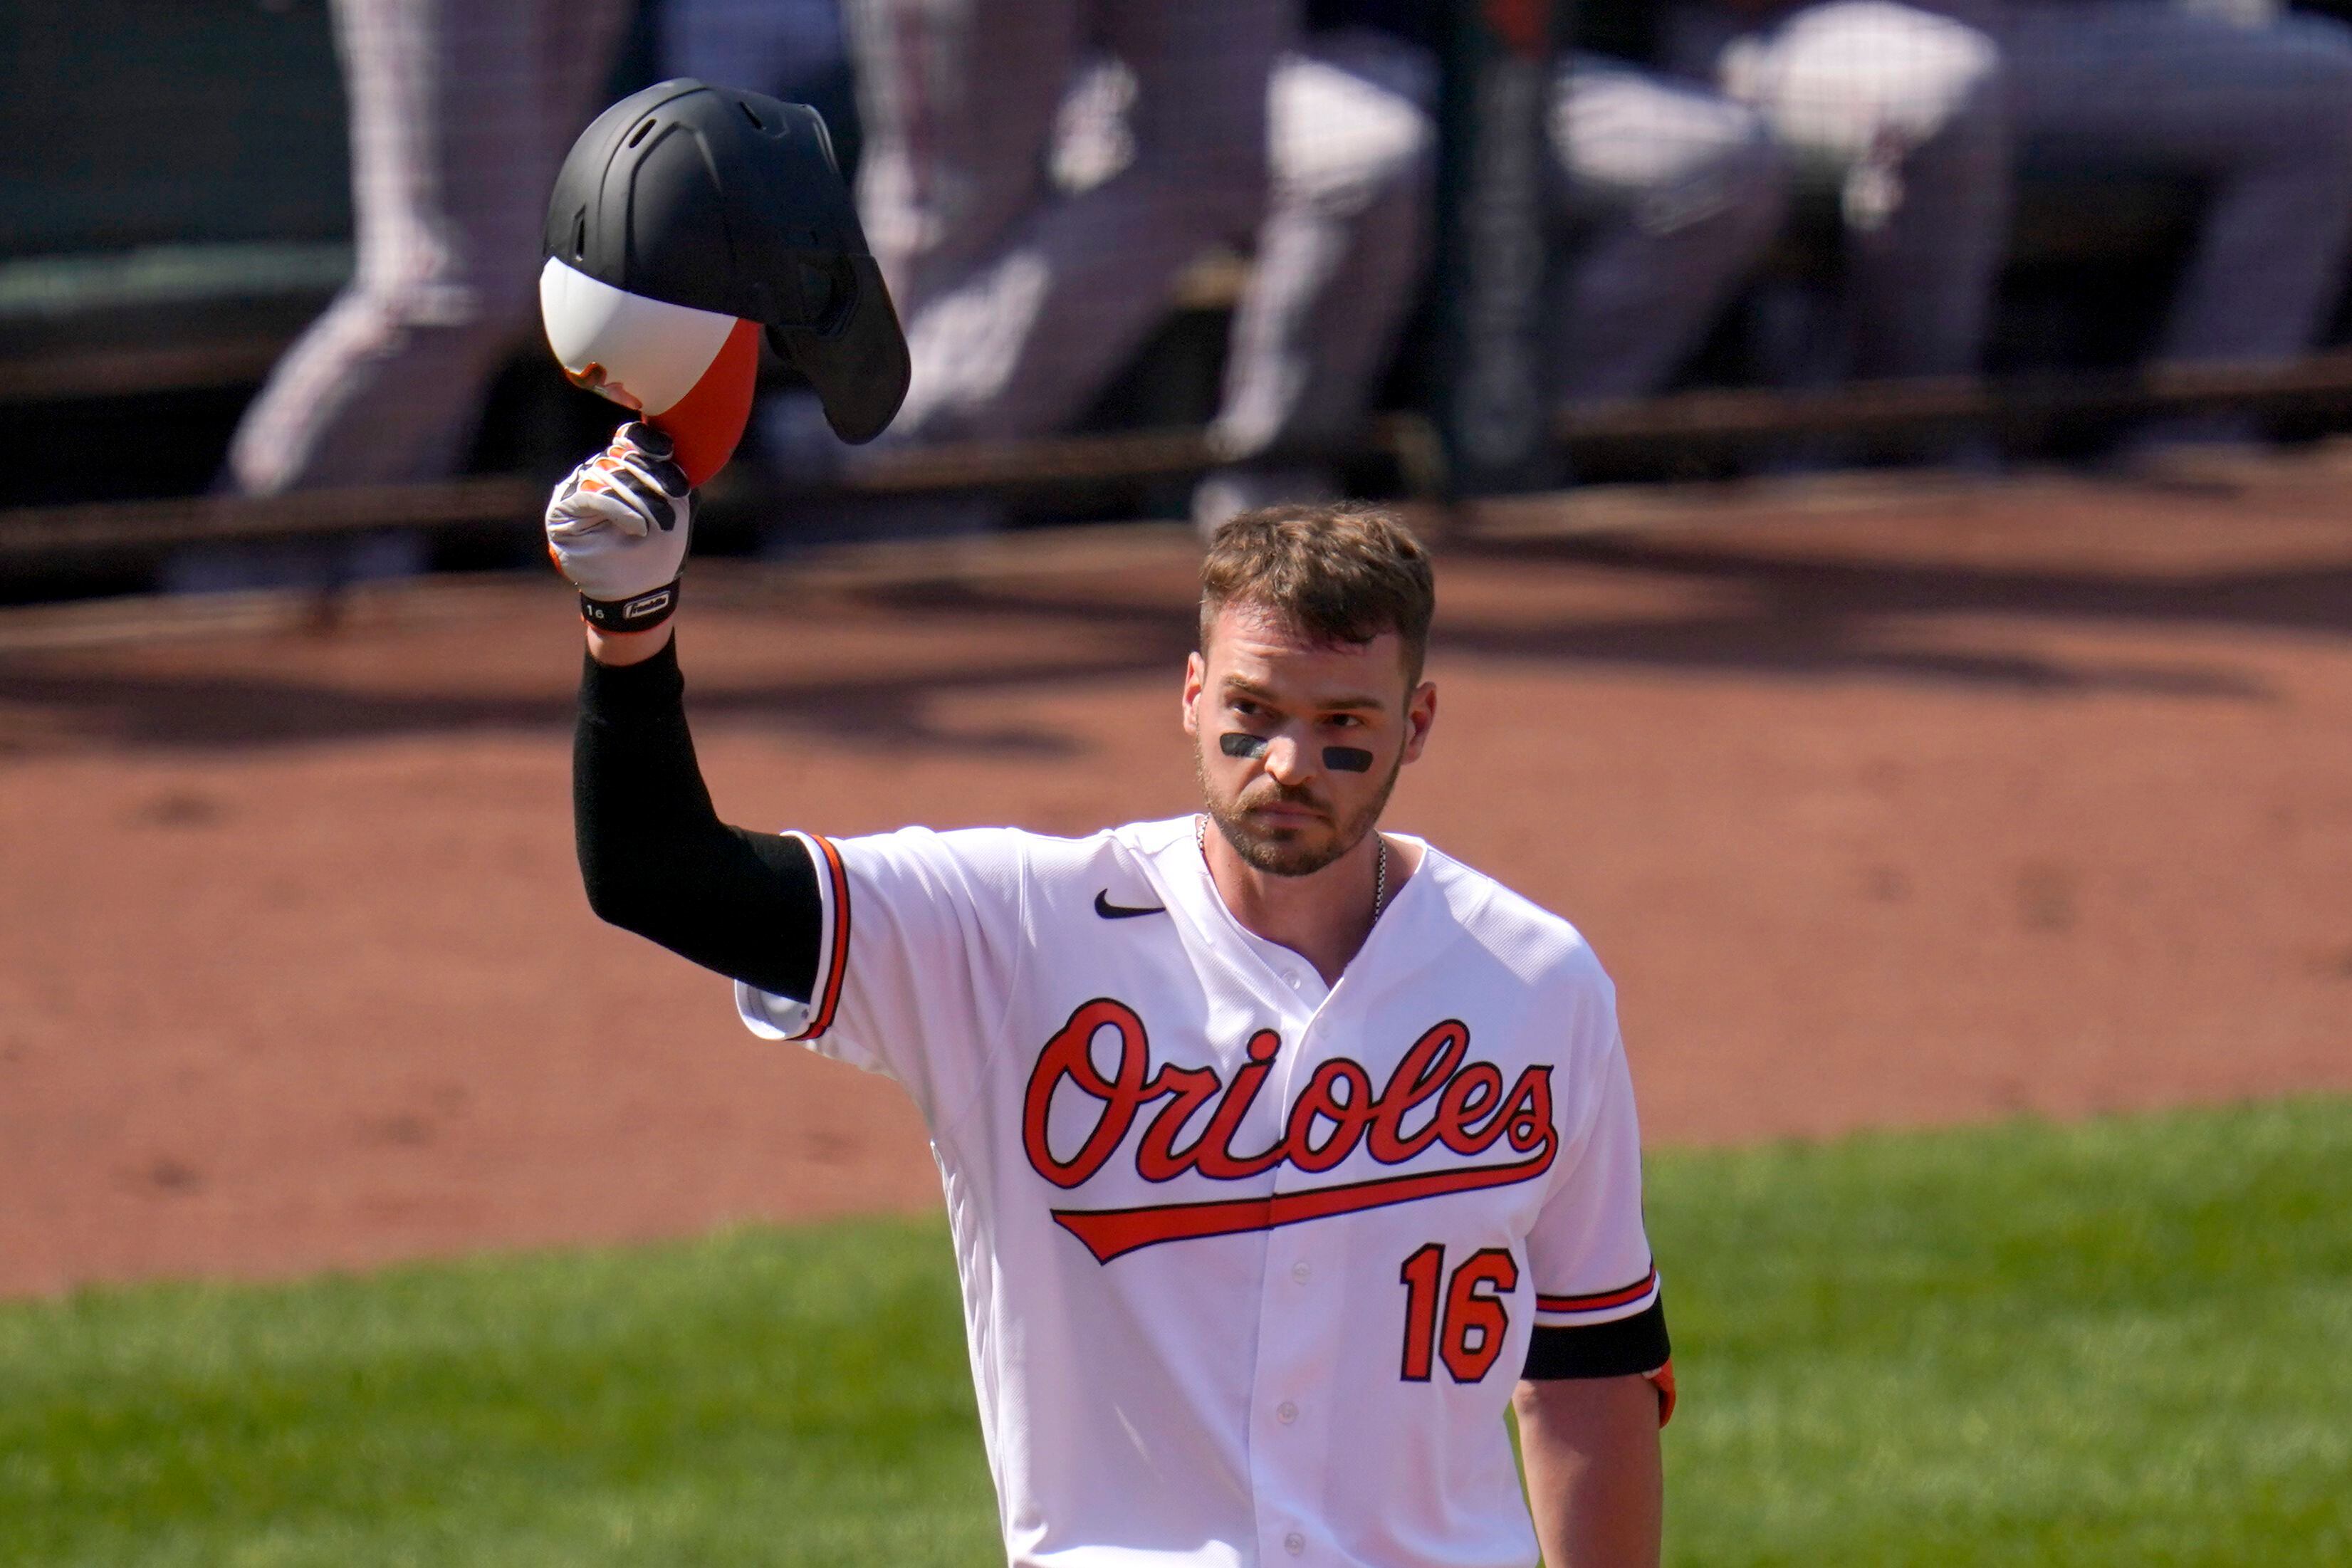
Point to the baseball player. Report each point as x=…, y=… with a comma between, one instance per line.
x=1280, y=1152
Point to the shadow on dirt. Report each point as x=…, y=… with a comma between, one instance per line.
x=171, y=712
x=1760, y=613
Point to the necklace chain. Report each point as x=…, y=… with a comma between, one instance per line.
x=1380, y=862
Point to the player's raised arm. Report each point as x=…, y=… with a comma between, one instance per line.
x=661, y=271
x=655, y=856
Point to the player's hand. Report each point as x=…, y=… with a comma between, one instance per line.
x=617, y=525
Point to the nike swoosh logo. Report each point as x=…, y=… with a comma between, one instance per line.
x=1110, y=911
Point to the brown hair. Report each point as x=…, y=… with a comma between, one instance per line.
x=1341, y=572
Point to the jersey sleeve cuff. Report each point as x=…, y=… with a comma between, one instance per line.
x=1615, y=1333
x=1597, y=1306
x=1621, y=1347
x=777, y=1018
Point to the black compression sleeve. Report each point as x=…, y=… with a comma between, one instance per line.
x=656, y=858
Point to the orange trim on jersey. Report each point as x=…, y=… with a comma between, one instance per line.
x=1600, y=1300
x=840, y=877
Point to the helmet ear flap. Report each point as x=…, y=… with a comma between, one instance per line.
x=828, y=293
x=857, y=358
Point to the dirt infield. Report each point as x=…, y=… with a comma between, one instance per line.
x=1882, y=807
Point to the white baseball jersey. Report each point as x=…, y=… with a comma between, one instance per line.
x=1250, y=1266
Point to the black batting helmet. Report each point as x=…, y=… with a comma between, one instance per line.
x=729, y=204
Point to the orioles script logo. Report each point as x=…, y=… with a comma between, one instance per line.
x=1338, y=1113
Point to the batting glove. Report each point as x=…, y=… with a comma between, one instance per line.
x=617, y=528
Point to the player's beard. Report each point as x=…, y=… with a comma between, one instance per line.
x=1290, y=851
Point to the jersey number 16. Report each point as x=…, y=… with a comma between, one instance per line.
x=1474, y=1321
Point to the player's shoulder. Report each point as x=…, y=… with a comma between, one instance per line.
x=1538, y=946
x=1127, y=863
x=1044, y=859
x=1081, y=881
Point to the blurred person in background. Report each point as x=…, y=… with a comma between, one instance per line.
x=1667, y=191
x=1921, y=118
x=2254, y=102
x=1913, y=114
x=461, y=110
x=1900, y=111
x=1022, y=301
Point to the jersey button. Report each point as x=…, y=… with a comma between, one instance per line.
x=1287, y=1412
x=1293, y=1544
x=1300, y=1271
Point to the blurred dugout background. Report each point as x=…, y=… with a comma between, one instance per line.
x=1162, y=258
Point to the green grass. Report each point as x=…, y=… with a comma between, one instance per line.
x=2128, y=1343
x=797, y=1398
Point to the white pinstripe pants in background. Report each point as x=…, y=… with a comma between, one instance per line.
x=461, y=111
x=1673, y=192
x=1933, y=111
x=1021, y=302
